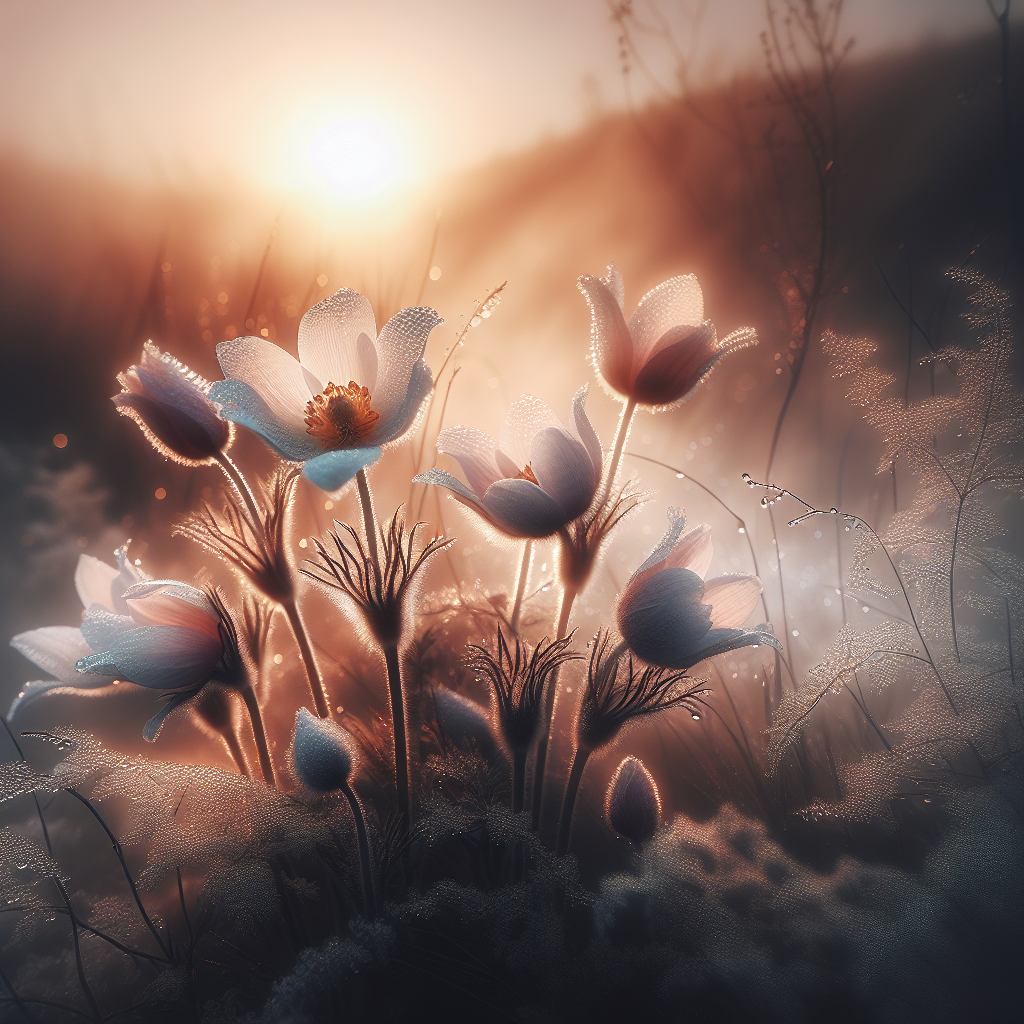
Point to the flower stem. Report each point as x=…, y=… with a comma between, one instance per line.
x=524, y=576
x=235, y=750
x=236, y=478
x=398, y=728
x=259, y=735
x=518, y=779
x=369, y=522
x=572, y=787
x=620, y=442
x=369, y=899
x=540, y=762
x=82, y=980
x=316, y=684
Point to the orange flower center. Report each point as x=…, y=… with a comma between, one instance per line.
x=527, y=474
x=340, y=416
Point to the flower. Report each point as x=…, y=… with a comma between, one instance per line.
x=670, y=616
x=538, y=478
x=172, y=406
x=464, y=722
x=632, y=804
x=56, y=649
x=665, y=350
x=348, y=394
x=174, y=637
x=323, y=753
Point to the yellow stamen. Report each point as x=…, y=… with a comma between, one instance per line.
x=341, y=417
x=527, y=474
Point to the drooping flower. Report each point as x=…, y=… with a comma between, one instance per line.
x=669, y=615
x=348, y=394
x=537, y=478
x=57, y=649
x=632, y=804
x=665, y=350
x=172, y=406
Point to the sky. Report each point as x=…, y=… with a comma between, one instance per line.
x=190, y=91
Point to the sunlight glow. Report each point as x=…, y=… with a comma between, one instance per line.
x=355, y=158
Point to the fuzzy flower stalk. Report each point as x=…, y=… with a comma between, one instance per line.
x=518, y=676
x=379, y=587
x=618, y=692
x=326, y=759
x=661, y=355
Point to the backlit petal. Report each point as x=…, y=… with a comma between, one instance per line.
x=332, y=470
x=241, y=404
x=525, y=417
x=586, y=433
x=404, y=417
x=336, y=341
x=86, y=686
x=677, y=301
x=563, y=469
x=54, y=649
x=732, y=599
x=161, y=657
x=721, y=641
x=662, y=617
x=399, y=348
x=611, y=344
x=475, y=453
x=93, y=580
x=272, y=373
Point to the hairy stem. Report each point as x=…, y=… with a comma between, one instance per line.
x=540, y=762
x=235, y=750
x=238, y=481
x=82, y=980
x=398, y=726
x=572, y=787
x=316, y=684
x=524, y=576
x=259, y=735
x=518, y=779
x=124, y=868
x=369, y=898
x=369, y=523
x=625, y=422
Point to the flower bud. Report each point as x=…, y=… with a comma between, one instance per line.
x=323, y=753
x=464, y=721
x=632, y=804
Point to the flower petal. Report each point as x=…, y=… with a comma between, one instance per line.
x=336, y=341
x=332, y=470
x=54, y=649
x=241, y=404
x=521, y=509
x=101, y=628
x=93, y=581
x=564, y=470
x=675, y=302
x=525, y=417
x=610, y=342
x=732, y=599
x=399, y=348
x=272, y=373
x=586, y=433
x=692, y=551
x=439, y=478
x=403, y=419
x=152, y=728
x=165, y=608
x=662, y=617
x=677, y=365
x=87, y=686
x=161, y=657
x=475, y=453
x=613, y=281
x=721, y=641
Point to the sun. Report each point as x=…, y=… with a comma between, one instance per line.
x=355, y=158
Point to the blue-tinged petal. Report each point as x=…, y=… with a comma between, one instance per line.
x=403, y=417
x=459, y=490
x=721, y=641
x=662, y=618
x=522, y=509
x=665, y=545
x=100, y=628
x=466, y=723
x=241, y=404
x=161, y=657
x=586, y=432
x=88, y=686
x=323, y=751
x=152, y=728
x=332, y=470
x=563, y=469
x=54, y=649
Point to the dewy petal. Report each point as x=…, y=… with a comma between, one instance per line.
x=170, y=382
x=525, y=417
x=336, y=341
x=475, y=453
x=721, y=641
x=661, y=616
x=54, y=649
x=521, y=509
x=152, y=728
x=675, y=302
x=84, y=687
x=165, y=609
x=611, y=344
x=160, y=657
x=421, y=383
x=439, y=478
x=732, y=599
x=241, y=404
x=692, y=551
x=586, y=432
x=274, y=375
x=613, y=282
x=563, y=469
x=173, y=433
x=677, y=365
x=93, y=581
x=399, y=348
x=101, y=628
x=332, y=470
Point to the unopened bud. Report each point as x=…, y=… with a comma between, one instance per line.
x=632, y=804
x=323, y=753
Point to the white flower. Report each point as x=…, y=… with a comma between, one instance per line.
x=665, y=350
x=348, y=394
x=669, y=616
x=538, y=478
